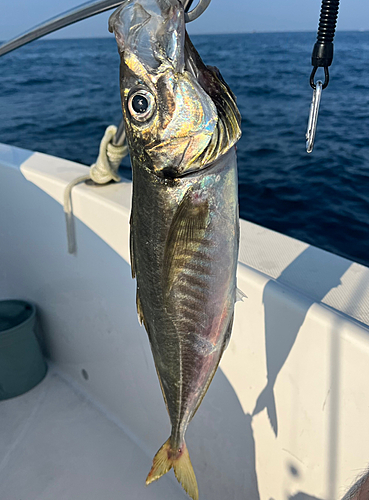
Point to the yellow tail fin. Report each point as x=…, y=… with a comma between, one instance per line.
x=165, y=459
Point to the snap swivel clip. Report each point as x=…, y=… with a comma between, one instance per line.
x=313, y=117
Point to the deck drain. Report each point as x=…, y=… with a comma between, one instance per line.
x=84, y=374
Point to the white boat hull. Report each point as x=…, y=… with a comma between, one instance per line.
x=98, y=418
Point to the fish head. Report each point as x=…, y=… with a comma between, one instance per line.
x=170, y=118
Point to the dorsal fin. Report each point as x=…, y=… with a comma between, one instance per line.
x=131, y=252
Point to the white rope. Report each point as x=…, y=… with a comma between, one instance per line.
x=103, y=171
x=106, y=167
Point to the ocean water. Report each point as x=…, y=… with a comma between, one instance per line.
x=58, y=96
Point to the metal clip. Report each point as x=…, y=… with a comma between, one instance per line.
x=313, y=118
x=191, y=15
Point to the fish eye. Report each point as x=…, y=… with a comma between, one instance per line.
x=141, y=105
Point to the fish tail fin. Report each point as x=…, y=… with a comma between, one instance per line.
x=185, y=474
x=161, y=464
x=165, y=459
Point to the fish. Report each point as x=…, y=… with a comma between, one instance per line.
x=182, y=125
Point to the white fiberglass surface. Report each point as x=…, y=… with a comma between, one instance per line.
x=286, y=415
x=325, y=277
x=56, y=444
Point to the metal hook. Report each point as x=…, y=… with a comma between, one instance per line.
x=313, y=117
x=197, y=11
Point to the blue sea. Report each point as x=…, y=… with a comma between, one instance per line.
x=58, y=96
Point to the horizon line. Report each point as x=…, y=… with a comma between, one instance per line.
x=253, y=32
x=50, y=37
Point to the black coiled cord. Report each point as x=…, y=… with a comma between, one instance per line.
x=322, y=55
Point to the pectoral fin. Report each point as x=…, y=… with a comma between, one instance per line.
x=185, y=236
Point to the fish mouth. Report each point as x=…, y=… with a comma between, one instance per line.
x=153, y=30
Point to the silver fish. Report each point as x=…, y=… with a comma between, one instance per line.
x=182, y=124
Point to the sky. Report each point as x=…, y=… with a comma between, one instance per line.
x=222, y=16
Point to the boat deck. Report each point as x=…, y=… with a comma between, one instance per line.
x=55, y=443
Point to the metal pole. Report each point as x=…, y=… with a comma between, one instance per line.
x=120, y=136
x=72, y=16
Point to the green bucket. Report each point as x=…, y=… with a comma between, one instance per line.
x=22, y=365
